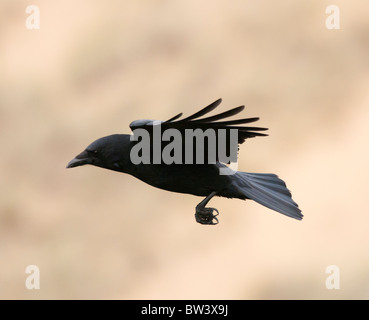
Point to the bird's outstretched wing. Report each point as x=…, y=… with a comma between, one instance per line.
x=193, y=122
x=215, y=122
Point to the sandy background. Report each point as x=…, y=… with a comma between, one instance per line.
x=95, y=66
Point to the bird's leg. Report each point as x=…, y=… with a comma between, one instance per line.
x=205, y=215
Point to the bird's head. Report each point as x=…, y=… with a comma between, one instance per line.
x=108, y=152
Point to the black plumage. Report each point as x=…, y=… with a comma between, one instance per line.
x=114, y=153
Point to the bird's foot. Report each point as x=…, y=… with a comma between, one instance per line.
x=206, y=216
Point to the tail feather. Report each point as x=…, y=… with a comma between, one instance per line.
x=270, y=181
x=268, y=190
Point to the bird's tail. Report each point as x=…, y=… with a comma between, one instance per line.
x=268, y=190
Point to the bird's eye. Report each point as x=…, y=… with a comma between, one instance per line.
x=94, y=151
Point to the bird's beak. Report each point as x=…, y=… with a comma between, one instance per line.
x=80, y=160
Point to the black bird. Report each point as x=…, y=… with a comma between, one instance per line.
x=114, y=153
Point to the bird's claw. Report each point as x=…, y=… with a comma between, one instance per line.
x=206, y=216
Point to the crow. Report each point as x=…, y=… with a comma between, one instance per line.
x=115, y=152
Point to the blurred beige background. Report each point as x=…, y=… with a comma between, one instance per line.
x=93, y=67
